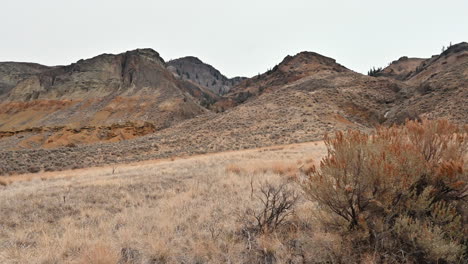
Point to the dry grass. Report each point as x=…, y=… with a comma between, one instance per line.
x=183, y=211
x=257, y=167
x=99, y=254
x=4, y=182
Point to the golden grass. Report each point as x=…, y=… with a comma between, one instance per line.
x=289, y=169
x=4, y=182
x=99, y=254
x=189, y=210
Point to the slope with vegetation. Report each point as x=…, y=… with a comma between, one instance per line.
x=400, y=69
x=438, y=88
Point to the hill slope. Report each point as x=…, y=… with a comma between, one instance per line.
x=438, y=88
x=402, y=68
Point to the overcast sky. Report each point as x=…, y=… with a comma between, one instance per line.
x=242, y=37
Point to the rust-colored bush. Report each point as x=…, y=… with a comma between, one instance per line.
x=399, y=193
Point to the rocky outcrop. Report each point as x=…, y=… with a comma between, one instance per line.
x=104, y=90
x=11, y=73
x=194, y=70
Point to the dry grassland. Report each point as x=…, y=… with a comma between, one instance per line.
x=187, y=210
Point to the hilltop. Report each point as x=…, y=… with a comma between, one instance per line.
x=402, y=68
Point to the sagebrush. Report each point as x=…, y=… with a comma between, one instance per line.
x=398, y=194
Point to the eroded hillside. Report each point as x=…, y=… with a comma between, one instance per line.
x=106, y=90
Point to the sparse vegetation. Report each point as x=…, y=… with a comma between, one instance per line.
x=374, y=72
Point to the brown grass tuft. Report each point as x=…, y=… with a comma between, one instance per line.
x=4, y=182
x=234, y=168
x=283, y=168
x=99, y=254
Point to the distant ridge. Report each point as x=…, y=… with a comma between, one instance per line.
x=193, y=69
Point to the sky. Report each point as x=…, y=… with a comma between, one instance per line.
x=240, y=38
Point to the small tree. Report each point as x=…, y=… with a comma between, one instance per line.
x=374, y=72
x=399, y=192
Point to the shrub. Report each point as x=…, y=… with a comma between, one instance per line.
x=277, y=203
x=374, y=72
x=399, y=193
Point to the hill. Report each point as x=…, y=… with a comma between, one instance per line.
x=291, y=69
x=402, y=68
x=437, y=88
x=327, y=98
x=299, y=100
x=194, y=70
x=98, y=94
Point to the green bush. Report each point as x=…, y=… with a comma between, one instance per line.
x=374, y=72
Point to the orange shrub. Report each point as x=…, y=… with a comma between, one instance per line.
x=399, y=192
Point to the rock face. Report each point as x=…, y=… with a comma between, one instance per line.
x=102, y=91
x=13, y=72
x=194, y=70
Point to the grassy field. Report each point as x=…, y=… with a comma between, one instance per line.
x=187, y=210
